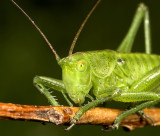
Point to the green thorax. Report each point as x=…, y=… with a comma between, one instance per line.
x=119, y=70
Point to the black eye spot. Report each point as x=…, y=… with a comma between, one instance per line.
x=121, y=61
x=81, y=65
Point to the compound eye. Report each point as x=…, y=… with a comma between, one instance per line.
x=81, y=65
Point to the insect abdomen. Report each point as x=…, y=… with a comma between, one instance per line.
x=132, y=66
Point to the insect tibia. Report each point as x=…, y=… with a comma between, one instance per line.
x=40, y=85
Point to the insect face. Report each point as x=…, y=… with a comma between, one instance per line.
x=76, y=77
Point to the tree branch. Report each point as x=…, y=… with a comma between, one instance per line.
x=62, y=115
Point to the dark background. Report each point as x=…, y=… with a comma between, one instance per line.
x=24, y=54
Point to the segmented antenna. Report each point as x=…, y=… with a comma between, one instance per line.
x=81, y=27
x=34, y=24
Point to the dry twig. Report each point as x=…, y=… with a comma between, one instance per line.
x=61, y=115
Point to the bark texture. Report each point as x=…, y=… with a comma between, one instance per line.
x=62, y=115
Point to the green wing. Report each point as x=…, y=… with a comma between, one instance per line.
x=102, y=62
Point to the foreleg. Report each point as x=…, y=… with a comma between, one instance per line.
x=43, y=84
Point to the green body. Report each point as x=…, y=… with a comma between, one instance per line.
x=105, y=71
x=112, y=75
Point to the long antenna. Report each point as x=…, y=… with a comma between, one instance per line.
x=81, y=27
x=42, y=34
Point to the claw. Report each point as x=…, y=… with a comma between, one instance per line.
x=145, y=117
x=70, y=127
x=114, y=126
x=73, y=122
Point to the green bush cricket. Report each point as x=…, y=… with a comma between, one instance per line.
x=113, y=75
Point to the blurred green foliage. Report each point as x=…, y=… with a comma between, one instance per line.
x=24, y=54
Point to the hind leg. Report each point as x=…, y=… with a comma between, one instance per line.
x=141, y=14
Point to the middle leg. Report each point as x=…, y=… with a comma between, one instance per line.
x=141, y=90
